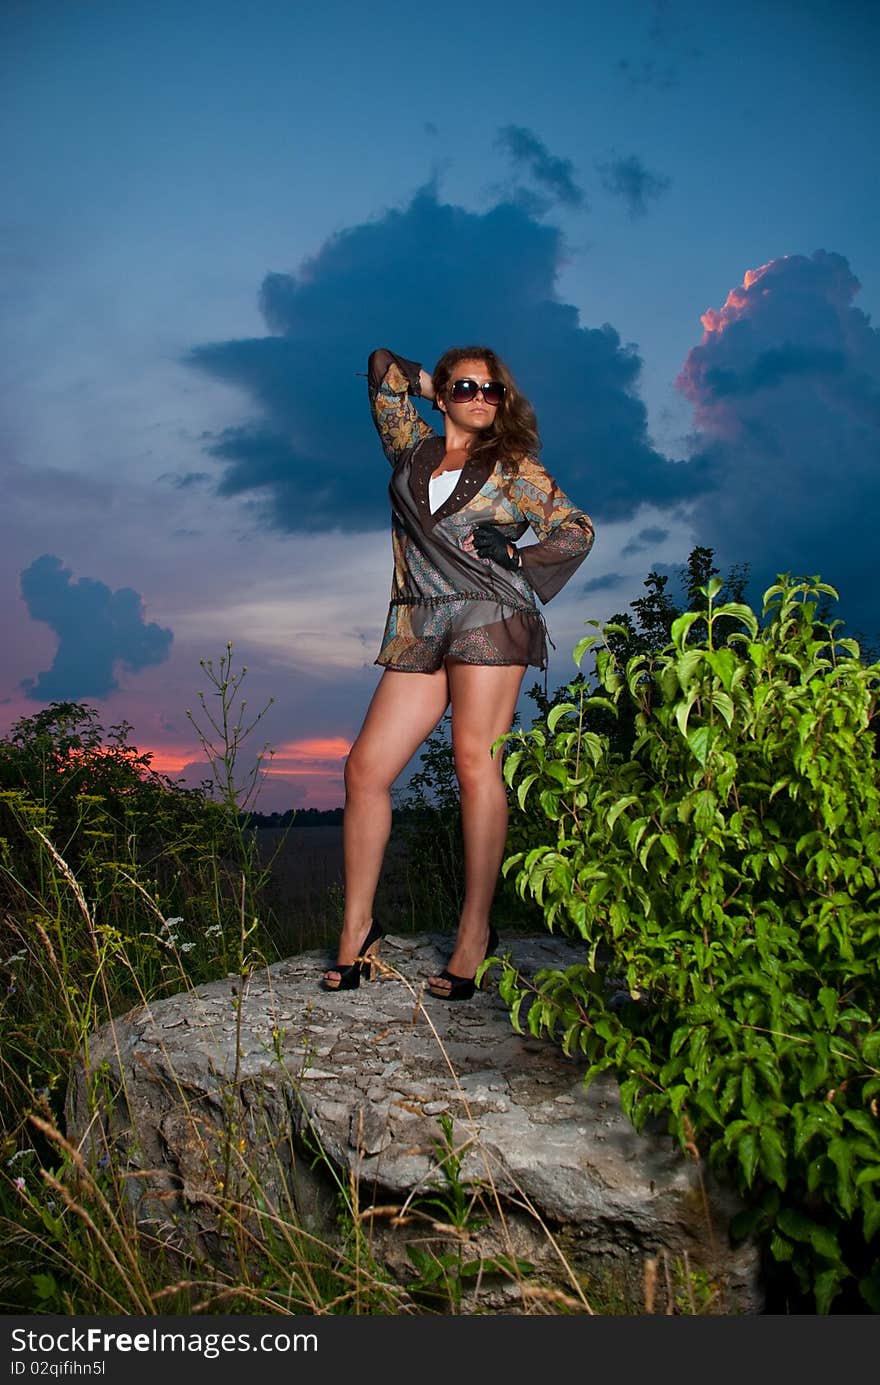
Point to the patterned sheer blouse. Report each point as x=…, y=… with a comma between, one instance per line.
x=447, y=602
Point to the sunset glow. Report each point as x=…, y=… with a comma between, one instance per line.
x=316, y=756
x=312, y=749
x=172, y=762
x=716, y=319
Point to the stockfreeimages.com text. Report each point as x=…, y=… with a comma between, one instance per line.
x=209, y=1344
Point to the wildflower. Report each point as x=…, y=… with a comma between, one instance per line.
x=20, y=1184
x=187, y=947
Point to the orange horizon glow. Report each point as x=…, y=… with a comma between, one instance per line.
x=166, y=761
x=314, y=748
x=317, y=756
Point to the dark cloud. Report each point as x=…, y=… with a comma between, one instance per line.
x=609, y=581
x=97, y=630
x=786, y=391
x=529, y=153
x=771, y=367
x=645, y=538
x=419, y=280
x=628, y=179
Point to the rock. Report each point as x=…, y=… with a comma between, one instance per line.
x=210, y=1094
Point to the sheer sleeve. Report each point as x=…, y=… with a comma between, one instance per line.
x=565, y=533
x=393, y=381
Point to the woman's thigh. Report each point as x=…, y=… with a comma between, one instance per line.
x=403, y=711
x=483, y=698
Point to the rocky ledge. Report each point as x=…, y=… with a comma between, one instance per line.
x=212, y=1093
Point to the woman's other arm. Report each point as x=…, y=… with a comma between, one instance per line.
x=565, y=533
x=393, y=383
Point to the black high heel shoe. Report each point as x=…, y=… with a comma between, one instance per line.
x=461, y=987
x=349, y=978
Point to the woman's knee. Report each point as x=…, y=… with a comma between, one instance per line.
x=361, y=774
x=475, y=766
x=358, y=774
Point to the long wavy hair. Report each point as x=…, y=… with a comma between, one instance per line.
x=513, y=434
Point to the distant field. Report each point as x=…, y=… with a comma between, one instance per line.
x=414, y=896
x=306, y=892
x=310, y=858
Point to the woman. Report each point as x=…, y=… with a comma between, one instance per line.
x=462, y=626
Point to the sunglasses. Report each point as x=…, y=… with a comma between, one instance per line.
x=462, y=391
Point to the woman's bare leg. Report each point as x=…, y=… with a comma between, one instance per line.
x=403, y=712
x=483, y=703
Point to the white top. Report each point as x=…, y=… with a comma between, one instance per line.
x=441, y=487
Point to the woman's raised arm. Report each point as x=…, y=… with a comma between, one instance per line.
x=393, y=383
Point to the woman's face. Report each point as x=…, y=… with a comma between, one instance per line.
x=475, y=414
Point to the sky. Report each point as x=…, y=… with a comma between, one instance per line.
x=662, y=214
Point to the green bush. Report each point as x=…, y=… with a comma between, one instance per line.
x=117, y=885
x=723, y=873
x=102, y=805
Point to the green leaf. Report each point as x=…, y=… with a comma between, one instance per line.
x=723, y=662
x=739, y=612
x=561, y=709
x=828, y=1001
x=796, y=1225
x=679, y=1038
x=681, y=626
x=773, y=1162
x=840, y=1154
x=747, y=1154
x=620, y=806
x=523, y=789
x=826, y=1288
x=722, y=703
x=698, y=743
x=683, y=711
x=511, y=764
x=670, y=846
x=780, y=1248
x=688, y=665
x=645, y=850
x=747, y=1083
x=44, y=1286
x=582, y=646
x=704, y=814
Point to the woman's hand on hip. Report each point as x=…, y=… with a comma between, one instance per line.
x=489, y=542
